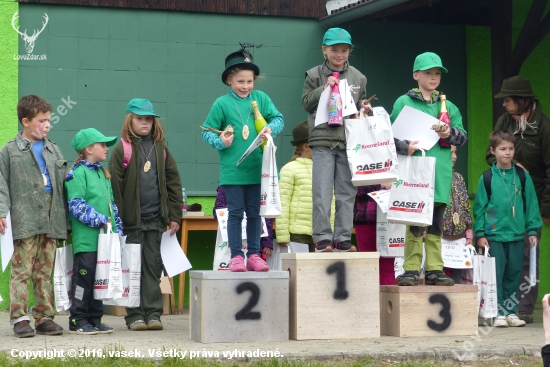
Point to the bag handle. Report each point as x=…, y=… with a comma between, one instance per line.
x=109, y=229
x=269, y=139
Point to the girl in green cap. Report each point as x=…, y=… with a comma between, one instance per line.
x=147, y=188
x=91, y=207
x=331, y=173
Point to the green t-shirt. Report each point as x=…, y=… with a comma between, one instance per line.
x=224, y=112
x=443, y=160
x=95, y=189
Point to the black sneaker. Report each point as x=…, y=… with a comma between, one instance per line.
x=345, y=246
x=23, y=329
x=84, y=329
x=437, y=277
x=103, y=328
x=324, y=246
x=525, y=316
x=49, y=327
x=408, y=278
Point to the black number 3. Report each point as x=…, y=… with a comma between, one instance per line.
x=444, y=313
x=245, y=313
x=340, y=269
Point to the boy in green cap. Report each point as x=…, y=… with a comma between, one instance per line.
x=427, y=71
x=31, y=188
x=92, y=206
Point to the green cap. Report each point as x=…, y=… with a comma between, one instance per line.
x=335, y=36
x=241, y=59
x=86, y=137
x=141, y=107
x=516, y=86
x=428, y=60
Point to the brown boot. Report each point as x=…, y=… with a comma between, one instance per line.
x=48, y=327
x=23, y=330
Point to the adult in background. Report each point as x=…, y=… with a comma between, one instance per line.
x=531, y=128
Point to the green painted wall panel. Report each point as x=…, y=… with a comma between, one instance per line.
x=8, y=101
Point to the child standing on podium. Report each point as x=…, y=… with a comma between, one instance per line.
x=241, y=182
x=427, y=72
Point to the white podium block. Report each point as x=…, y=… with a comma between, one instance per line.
x=333, y=295
x=428, y=310
x=238, y=307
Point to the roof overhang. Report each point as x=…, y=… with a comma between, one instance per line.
x=357, y=11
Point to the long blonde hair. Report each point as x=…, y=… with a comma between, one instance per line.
x=80, y=156
x=157, y=131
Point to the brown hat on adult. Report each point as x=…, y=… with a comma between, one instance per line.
x=516, y=86
x=300, y=134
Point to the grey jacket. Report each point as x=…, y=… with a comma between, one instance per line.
x=22, y=190
x=324, y=135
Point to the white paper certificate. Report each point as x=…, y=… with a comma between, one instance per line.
x=412, y=124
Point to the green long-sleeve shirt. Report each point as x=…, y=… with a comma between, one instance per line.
x=494, y=218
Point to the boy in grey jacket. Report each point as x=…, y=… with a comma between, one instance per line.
x=32, y=169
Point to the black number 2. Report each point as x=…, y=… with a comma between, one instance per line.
x=340, y=269
x=245, y=313
x=444, y=313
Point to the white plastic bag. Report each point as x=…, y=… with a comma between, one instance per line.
x=486, y=280
x=222, y=253
x=270, y=204
x=131, y=277
x=370, y=148
x=412, y=196
x=274, y=260
x=62, y=278
x=108, y=272
x=390, y=236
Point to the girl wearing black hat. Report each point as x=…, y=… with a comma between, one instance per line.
x=241, y=182
x=531, y=128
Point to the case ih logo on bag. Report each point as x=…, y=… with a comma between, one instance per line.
x=397, y=242
x=407, y=206
x=265, y=175
x=104, y=261
x=101, y=283
x=371, y=168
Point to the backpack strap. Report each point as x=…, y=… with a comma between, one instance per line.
x=487, y=176
x=127, y=146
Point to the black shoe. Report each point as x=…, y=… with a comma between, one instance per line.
x=345, y=246
x=324, y=246
x=23, y=330
x=437, y=277
x=525, y=316
x=48, y=327
x=408, y=278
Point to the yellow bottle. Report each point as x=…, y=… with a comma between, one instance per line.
x=259, y=121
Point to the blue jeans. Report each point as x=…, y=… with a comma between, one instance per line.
x=240, y=199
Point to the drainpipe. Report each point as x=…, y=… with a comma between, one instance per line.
x=367, y=7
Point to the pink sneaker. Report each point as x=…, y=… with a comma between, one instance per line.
x=256, y=263
x=237, y=264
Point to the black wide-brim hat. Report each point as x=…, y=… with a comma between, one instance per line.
x=516, y=86
x=300, y=134
x=241, y=59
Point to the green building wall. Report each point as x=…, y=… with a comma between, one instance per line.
x=101, y=58
x=8, y=101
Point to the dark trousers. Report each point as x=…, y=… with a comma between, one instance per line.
x=84, y=307
x=527, y=303
x=148, y=236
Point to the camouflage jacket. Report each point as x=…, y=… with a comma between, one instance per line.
x=22, y=190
